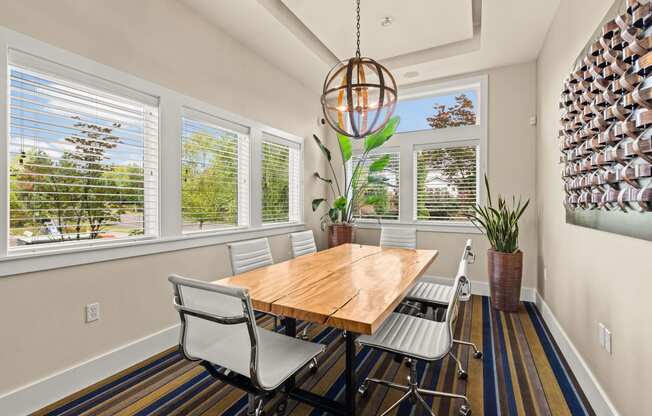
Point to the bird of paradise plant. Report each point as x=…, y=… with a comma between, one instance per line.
x=347, y=195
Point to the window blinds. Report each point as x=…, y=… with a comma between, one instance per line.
x=379, y=199
x=280, y=178
x=446, y=182
x=83, y=160
x=215, y=167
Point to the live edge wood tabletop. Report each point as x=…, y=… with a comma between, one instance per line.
x=351, y=287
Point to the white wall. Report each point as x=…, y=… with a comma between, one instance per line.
x=593, y=276
x=511, y=160
x=164, y=42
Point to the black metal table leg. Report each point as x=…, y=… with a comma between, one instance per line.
x=290, y=331
x=350, y=374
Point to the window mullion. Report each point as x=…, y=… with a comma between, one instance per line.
x=255, y=174
x=170, y=186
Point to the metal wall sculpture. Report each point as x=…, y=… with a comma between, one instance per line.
x=606, y=134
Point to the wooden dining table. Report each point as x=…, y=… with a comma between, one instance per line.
x=351, y=287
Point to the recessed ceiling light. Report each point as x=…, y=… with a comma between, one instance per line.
x=387, y=21
x=411, y=74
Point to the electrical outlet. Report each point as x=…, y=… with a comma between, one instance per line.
x=601, y=334
x=92, y=312
x=607, y=340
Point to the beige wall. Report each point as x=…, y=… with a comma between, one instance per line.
x=593, y=276
x=511, y=160
x=164, y=42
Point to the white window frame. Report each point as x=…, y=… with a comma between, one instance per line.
x=409, y=142
x=170, y=236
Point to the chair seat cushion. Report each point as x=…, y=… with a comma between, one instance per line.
x=430, y=293
x=410, y=336
x=279, y=356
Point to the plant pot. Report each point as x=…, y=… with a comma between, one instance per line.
x=339, y=234
x=505, y=272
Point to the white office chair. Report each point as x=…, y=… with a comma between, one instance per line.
x=218, y=328
x=438, y=295
x=418, y=339
x=302, y=243
x=250, y=255
x=398, y=237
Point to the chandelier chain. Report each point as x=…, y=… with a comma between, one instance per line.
x=357, y=27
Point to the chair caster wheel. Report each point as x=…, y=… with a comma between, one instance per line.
x=313, y=366
x=462, y=375
x=362, y=391
x=465, y=410
x=304, y=337
x=408, y=363
x=281, y=407
x=478, y=355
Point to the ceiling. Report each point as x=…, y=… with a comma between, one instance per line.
x=427, y=39
x=425, y=24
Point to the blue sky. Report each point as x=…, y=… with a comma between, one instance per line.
x=413, y=112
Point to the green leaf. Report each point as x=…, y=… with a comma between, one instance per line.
x=333, y=214
x=373, y=199
x=345, y=147
x=323, y=148
x=316, y=203
x=379, y=164
x=318, y=176
x=340, y=203
x=375, y=179
x=377, y=139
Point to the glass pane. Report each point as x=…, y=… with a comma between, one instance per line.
x=442, y=111
x=446, y=183
x=276, y=182
x=379, y=198
x=209, y=188
x=82, y=162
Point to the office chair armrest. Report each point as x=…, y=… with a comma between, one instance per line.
x=224, y=320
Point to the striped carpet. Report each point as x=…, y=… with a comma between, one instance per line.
x=522, y=373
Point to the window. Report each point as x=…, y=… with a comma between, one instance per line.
x=280, y=170
x=82, y=160
x=438, y=155
x=437, y=111
x=379, y=199
x=83, y=143
x=446, y=182
x=215, y=167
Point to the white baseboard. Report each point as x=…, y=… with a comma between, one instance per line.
x=590, y=385
x=528, y=294
x=36, y=395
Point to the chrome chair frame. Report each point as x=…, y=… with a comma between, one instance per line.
x=256, y=392
x=469, y=258
x=412, y=389
x=302, y=251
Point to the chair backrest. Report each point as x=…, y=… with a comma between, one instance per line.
x=398, y=237
x=454, y=301
x=249, y=255
x=302, y=243
x=217, y=325
x=468, y=257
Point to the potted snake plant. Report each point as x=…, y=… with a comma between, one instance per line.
x=505, y=260
x=345, y=196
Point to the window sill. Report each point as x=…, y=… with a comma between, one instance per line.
x=424, y=226
x=21, y=261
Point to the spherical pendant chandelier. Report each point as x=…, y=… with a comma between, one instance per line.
x=359, y=94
